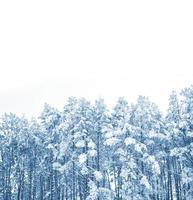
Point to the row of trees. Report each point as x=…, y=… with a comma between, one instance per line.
x=86, y=152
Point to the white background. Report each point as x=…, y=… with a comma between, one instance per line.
x=50, y=50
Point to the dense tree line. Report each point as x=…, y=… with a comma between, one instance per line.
x=86, y=152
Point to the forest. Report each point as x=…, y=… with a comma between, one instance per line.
x=89, y=152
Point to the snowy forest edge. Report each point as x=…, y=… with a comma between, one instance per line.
x=86, y=152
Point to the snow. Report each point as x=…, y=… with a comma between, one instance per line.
x=1, y=157
x=109, y=134
x=174, y=151
x=57, y=166
x=156, y=167
x=54, y=150
x=129, y=141
x=154, y=164
x=140, y=147
x=82, y=158
x=92, y=153
x=84, y=171
x=63, y=147
x=153, y=134
x=120, y=151
x=190, y=134
x=178, y=151
x=80, y=144
x=131, y=163
x=91, y=145
x=186, y=176
x=93, y=191
x=145, y=182
x=182, y=124
x=98, y=175
x=50, y=146
x=151, y=159
x=124, y=173
x=111, y=141
x=118, y=132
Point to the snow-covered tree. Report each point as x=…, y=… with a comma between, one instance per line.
x=86, y=152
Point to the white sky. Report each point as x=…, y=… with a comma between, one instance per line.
x=50, y=50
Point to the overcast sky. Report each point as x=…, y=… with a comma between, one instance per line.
x=50, y=50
